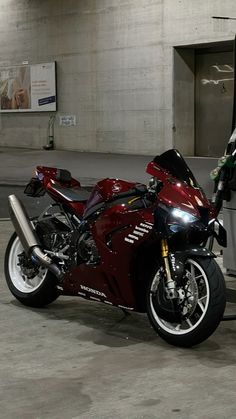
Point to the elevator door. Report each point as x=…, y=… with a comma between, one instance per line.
x=214, y=102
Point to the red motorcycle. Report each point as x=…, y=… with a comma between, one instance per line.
x=124, y=244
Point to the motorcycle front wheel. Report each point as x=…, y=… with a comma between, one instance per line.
x=202, y=299
x=31, y=285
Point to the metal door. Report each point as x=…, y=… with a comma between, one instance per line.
x=214, y=102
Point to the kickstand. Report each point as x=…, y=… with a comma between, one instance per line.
x=229, y=317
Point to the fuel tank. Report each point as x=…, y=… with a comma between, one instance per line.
x=106, y=190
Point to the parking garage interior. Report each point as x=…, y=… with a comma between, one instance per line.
x=101, y=87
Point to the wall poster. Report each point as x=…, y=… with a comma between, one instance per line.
x=28, y=88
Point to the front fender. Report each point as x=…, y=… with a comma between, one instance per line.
x=195, y=251
x=178, y=258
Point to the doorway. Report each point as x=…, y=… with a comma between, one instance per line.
x=214, y=83
x=203, y=98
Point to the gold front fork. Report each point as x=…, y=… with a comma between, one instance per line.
x=170, y=284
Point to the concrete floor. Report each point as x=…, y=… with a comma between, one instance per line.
x=78, y=359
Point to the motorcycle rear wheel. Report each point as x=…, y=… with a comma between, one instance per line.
x=204, y=285
x=33, y=290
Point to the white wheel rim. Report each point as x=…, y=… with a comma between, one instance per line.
x=19, y=280
x=202, y=305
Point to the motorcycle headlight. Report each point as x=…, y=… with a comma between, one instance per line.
x=183, y=216
x=169, y=220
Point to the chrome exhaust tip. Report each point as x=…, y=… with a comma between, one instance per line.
x=28, y=236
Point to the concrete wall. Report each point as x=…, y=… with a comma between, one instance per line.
x=115, y=67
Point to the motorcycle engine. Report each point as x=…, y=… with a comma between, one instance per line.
x=76, y=246
x=57, y=238
x=87, y=248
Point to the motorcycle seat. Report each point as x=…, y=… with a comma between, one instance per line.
x=63, y=175
x=73, y=194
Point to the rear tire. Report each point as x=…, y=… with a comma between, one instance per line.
x=204, y=277
x=37, y=291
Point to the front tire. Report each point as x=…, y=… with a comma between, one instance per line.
x=203, y=303
x=34, y=290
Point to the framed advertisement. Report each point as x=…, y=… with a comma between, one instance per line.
x=28, y=88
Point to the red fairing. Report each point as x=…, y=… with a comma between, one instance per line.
x=113, y=276
x=111, y=229
x=178, y=194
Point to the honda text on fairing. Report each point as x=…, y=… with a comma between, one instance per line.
x=124, y=244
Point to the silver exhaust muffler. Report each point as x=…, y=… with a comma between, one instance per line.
x=28, y=237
